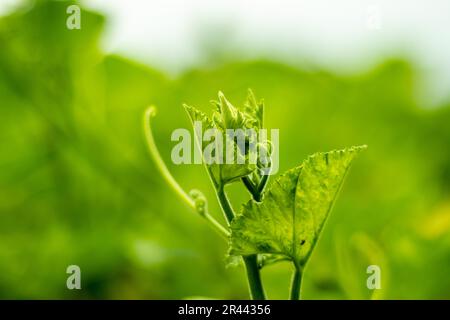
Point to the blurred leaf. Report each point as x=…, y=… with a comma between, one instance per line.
x=352, y=258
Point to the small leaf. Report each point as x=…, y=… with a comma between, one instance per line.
x=197, y=115
x=255, y=108
x=294, y=210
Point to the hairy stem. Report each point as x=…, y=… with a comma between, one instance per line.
x=296, y=284
x=254, y=278
x=150, y=112
x=251, y=265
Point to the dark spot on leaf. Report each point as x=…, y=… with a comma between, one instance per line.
x=302, y=242
x=263, y=247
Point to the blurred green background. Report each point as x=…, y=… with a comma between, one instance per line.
x=78, y=187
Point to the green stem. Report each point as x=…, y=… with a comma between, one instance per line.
x=251, y=263
x=256, y=190
x=254, y=278
x=296, y=284
x=249, y=185
x=262, y=185
x=149, y=113
x=217, y=226
x=225, y=204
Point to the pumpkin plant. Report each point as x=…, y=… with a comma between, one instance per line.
x=281, y=223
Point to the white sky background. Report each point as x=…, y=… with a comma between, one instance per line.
x=341, y=35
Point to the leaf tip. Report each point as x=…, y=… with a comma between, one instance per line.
x=361, y=147
x=356, y=149
x=221, y=96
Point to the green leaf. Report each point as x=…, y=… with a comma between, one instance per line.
x=294, y=210
x=222, y=173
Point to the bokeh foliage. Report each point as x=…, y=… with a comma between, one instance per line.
x=78, y=187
